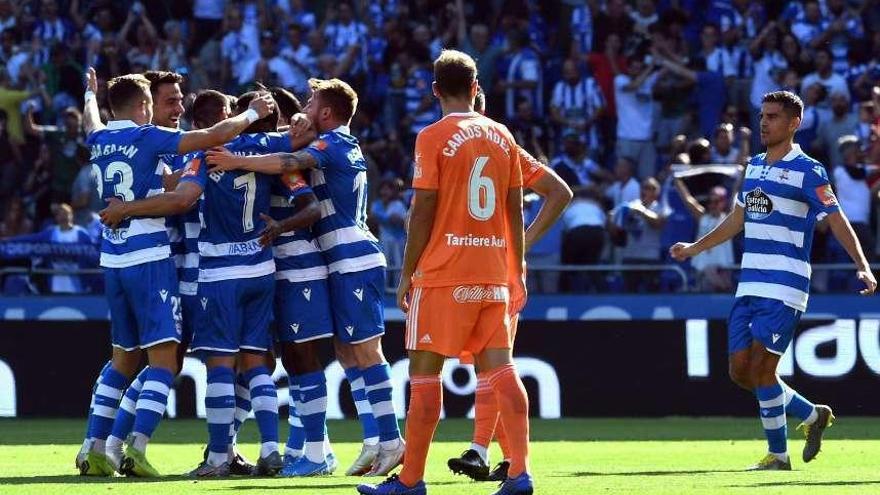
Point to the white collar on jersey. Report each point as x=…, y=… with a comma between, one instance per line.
x=115, y=125
x=344, y=129
x=794, y=153
x=461, y=114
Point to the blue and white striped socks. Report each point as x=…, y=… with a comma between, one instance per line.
x=771, y=402
x=365, y=412
x=264, y=400
x=150, y=406
x=296, y=436
x=220, y=411
x=798, y=406
x=105, y=402
x=377, y=381
x=313, y=413
x=124, y=421
x=242, y=407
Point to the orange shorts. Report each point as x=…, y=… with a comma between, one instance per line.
x=467, y=357
x=449, y=320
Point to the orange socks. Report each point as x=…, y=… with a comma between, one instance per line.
x=513, y=403
x=426, y=398
x=485, y=413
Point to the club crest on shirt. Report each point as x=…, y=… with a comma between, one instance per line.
x=758, y=205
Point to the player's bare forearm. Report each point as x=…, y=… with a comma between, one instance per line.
x=557, y=195
x=424, y=207
x=729, y=227
x=216, y=135
x=845, y=234
x=307, y=211
x=170, y=181
x=161, y=205
x=515, y=224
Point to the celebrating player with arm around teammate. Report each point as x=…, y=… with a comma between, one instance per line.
x=784, y=194
x=354, y=258
x=141, y=279
x=474, y=462
x=466, y=221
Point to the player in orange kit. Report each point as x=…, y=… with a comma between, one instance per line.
x=466, y=216
x=474, y=462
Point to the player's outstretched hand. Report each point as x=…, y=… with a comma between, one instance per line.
x=867, y=278
x=263, y=105
x=91, y=80
x=403, y=294
x=220, y=159
x=113, y=214
x=299, y=125
x=681, y=251
x=271, y=232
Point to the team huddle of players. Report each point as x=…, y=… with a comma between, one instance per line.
x=237, y=240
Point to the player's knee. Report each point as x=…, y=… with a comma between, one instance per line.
x=368, y=353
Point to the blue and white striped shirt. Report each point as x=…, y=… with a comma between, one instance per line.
x=782, y=204
x=126, y=166
x=340, y=183
x=298, y=257
x=183, y=232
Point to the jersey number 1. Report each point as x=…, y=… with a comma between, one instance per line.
x=481, y=192
x=249, y=183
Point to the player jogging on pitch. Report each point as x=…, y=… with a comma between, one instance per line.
x=784, y=194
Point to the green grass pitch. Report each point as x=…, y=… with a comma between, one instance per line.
x=572, y=456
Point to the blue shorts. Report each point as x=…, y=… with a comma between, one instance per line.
x=768, y=321
x=302, y=311
x=357, y=300
x=190, y=307
x=144, y=304
x=234, y=315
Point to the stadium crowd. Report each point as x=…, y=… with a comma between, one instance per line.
x=631, y=103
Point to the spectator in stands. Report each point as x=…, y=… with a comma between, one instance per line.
x=346, y=36
x=612, y=20
x=583, y=239
x=63, y=144
x=851, y=180
x=15, y=222
x=636, y=226
x=723, y=150
x=38, y=186
x=10, y=160
x=574, y=166
x=644, y=15
x=65, y=232
x=476, y=44
x=546, y=252
x=576, y=103
x=842, y=123
x=390, y=213
x=84, y=192
x=709, y=51
x=299, y=58
x=523, y=78
x=625, y=188
x=635, y=115
x=712, y=265
x=808, y=131
x=207, y=22
x=824, y=75
x=528, y=130
x=239, y=48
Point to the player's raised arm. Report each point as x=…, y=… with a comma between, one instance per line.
x=225, y=131
x=91, y=112
x=220, y=159
x=557, y=195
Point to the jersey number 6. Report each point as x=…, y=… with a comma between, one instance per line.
x=481, y=192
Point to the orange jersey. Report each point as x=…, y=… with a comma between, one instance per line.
x=472, y=162
x=532, y=169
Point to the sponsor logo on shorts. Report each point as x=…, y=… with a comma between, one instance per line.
x=479, y=293
x=775, y=337
x=426, y=339
x=294, y=327
x=349, y=329
x=163, y=294
x=307, y=293
x=204, y=303
x=359, y=293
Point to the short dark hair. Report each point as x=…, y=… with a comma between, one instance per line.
x=791, y=103
x=336, y=94
x=454, y=73
x=207, y=107
x=268, y=123
x=160, y=77
x=125, y=91
x=288, y=103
